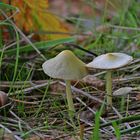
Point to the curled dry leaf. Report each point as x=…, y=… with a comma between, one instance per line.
x=3, y=98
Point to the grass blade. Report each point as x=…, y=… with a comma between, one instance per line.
x=43, y=45
x=117, y=130
x=4, y=6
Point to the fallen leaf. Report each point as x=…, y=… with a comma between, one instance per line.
x=93, y=81
x=57, y=87
x=34, y=17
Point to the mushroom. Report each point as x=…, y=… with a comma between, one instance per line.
x=3, y=98
x=110, y=62
x=68, y=67
x=123, y=92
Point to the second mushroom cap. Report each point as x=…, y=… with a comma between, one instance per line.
x=110, y=61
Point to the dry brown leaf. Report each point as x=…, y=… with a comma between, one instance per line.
x=94, y=81
x=57, y=87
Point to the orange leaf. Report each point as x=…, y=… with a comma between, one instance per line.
x=34, y=17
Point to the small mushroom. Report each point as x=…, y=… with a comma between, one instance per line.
x=3, y=98
x=110, y=62
x=123, y=92
x=68, y=67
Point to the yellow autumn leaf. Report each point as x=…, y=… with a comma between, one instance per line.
x=34, y=17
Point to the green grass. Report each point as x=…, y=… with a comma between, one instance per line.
x=42, y=45
x=117, y=131
x=96, y=131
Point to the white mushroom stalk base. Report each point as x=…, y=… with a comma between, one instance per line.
x=109, y=87
x=69, y=96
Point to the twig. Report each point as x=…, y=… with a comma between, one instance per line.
x=78, y=47
x=26, y=90
x=12, y=44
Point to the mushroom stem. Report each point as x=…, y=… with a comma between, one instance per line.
x=109, y=87
x=69, y=96
x=122, y=103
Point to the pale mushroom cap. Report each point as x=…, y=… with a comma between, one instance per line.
x=110, y=61
x=122, y=91
x=65, y=66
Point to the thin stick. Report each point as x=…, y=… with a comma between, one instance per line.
x=26, y=90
